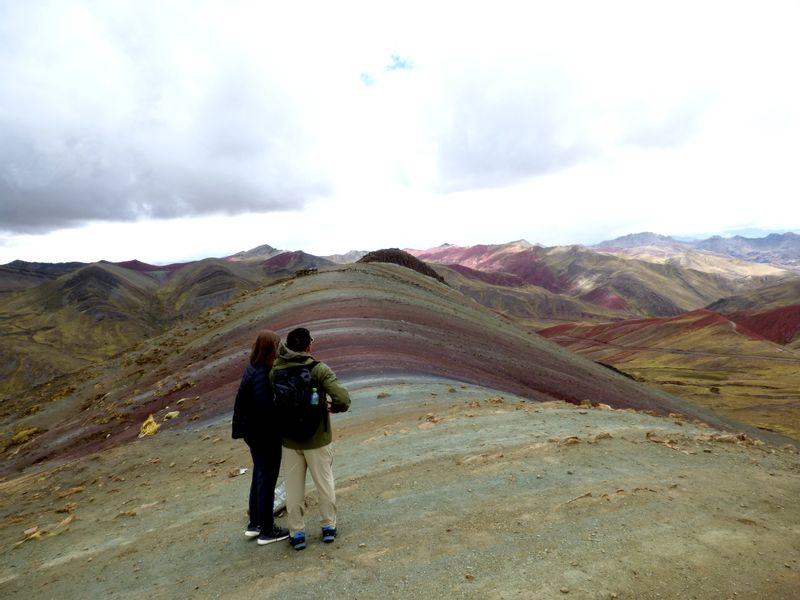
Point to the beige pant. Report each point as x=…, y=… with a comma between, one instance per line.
x=320, y=462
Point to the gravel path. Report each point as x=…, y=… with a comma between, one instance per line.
x=444, y=491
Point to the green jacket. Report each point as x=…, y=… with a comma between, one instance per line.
x=326, y=382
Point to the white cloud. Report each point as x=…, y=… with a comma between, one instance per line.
x=556, y=122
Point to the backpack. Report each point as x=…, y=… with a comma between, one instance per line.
x=299, y=419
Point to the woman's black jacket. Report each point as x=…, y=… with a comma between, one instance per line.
x=253, y=410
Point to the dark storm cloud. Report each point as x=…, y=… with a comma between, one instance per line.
x=72, y=179
x=104, y=127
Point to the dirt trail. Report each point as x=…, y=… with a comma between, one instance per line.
x=444, y=491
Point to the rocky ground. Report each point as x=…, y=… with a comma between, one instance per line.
x=444, y=491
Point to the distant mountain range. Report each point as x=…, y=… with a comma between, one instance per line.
x=780, y=249
x=611, y=281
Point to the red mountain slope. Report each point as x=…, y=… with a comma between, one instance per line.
x=779, y=325
x=704, y=357
x=632, y=288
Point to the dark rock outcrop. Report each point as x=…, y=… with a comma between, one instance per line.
x=402, y=258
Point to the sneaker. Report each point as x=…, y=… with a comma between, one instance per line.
x=251, y=531
x=298, y=541
x=275, y=535
x=328, y=534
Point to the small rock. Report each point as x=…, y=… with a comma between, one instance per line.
x=66, y=521
x=564, y=590
x=67, y=508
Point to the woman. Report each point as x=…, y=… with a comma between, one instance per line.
x=254, y=420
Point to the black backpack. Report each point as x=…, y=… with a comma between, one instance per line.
x=299, y=419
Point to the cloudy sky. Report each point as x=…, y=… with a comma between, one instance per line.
x=172, y=130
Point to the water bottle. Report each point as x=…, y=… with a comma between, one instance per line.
x=314, y=397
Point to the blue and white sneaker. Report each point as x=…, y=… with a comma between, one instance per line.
x=328, y=534
x=298, y=541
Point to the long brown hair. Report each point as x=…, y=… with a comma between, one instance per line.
x=265, y=349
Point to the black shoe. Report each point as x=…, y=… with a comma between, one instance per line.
x=298, y=541
x=276, y=534
x=328, y=534
x=252, y=531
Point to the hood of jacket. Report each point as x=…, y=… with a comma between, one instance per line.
x=289, y=358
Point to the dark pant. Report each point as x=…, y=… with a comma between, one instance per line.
x=266, y=464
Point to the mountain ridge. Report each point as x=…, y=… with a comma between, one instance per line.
x=377, y=320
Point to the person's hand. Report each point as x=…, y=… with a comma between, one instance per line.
x=328, y=403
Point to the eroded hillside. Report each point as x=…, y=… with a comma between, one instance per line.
x=594, y=285
x=91, y=313
x=369, y=320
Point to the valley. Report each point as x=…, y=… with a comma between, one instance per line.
x=704, y=358
x=632, y=425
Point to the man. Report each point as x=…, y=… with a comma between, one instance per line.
x=316, y=452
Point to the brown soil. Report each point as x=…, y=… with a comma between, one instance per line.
x=444, y=491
